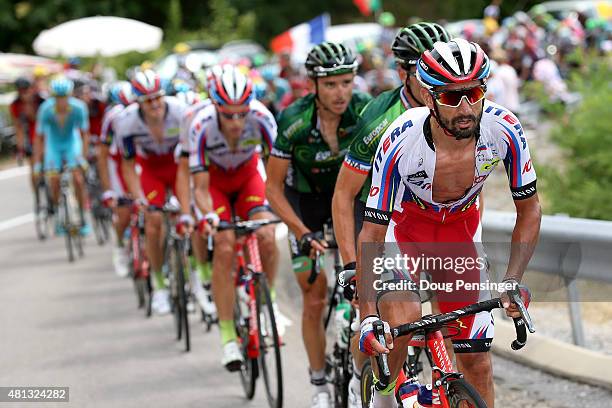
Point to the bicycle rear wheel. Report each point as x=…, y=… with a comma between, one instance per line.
x=42, y=204
x=367, y=384
x=250, y=369
x=462, y=395
x=67, y=226
x=269, y=345
x=179, y=270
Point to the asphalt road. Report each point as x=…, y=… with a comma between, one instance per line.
x=77, y=325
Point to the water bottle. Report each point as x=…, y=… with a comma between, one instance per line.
x=425, y=396
x=342, y=316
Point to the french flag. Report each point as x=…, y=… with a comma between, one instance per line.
x=299, y=40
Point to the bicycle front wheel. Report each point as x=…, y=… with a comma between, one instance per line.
x=269, y=345
x=367, y=384
x=249, y=371
x=461, y=394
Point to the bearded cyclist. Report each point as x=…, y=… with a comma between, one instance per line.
x=62, y=125
x=149, y=132
x=225, y=137
x=461, y=137
x=314, y=134
x=355, y=174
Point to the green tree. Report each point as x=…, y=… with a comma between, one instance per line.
x=582, y=185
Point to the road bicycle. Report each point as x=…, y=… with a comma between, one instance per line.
x=43, y=208
x=254, y=315
x=449, y=388
x=339, y=363
x=102, y=216
x=138, y=263
x=67, y=210
x=177, y=266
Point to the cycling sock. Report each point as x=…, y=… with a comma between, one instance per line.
x=205, y=271
x=228, y=332
x=158, y=277
x=272, y=293
x=388, y=390
x=318, y=379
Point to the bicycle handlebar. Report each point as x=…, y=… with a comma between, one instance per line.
x=435, y=322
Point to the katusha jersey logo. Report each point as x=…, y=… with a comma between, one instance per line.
x=374, y=190
x=389, y=140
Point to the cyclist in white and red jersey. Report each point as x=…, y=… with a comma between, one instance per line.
x=149, y=133
x=111, y=176
x=225, y=141
x=459, y=137
x=200, y=279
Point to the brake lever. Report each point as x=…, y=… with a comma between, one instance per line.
x=516, y=298
x=382, y=359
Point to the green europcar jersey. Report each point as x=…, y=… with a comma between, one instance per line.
x=375, y=119
x=314, y=168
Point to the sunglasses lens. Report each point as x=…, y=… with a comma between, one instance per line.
x=453, y=98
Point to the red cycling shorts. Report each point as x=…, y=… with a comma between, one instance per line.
x=450, y=244
x=242, y=189
x=158, y=175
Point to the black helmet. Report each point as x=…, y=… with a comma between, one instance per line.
x=22, y=83
x=330, y=58
x=410, y=42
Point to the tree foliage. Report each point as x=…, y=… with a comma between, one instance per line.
x=582, y=187
x=261, y=20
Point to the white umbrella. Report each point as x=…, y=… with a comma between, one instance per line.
x=13, y=66
x=97, y=36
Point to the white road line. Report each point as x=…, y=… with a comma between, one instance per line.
x=16, y=221
x=14, y=172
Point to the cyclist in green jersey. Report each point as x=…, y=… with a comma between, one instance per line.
x=407, y=47
x=314, y=134
x=355, y=174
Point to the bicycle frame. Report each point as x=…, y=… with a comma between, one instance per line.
x=141, y=266
x=248, y=273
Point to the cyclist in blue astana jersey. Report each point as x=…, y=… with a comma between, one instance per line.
x=63, y=124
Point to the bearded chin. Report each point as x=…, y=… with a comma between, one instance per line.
x=463, y=133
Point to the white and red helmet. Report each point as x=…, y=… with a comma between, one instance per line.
x=452, y=62
x=147, y=84
x=228, y=86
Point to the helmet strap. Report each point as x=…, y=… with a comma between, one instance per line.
x=410, y=94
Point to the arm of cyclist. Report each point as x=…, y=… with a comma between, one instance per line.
x=524, y=240
x=348, y=185
x=128, y=166
x=183, y=192
x=204, y=203
x=102, y=154
x=84, y=129
x=275, y=193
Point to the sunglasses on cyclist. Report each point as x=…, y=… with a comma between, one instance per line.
x=453, y=98
x=234, y=115
x=149, y=98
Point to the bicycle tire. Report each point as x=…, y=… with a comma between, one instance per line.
x=250, y=368
x=182, y=295
x=462, y=394
x=171, y=263
x=367, y=384
x=264, y=305
x=341, y=375
x=67, y=225
x=41, y=210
